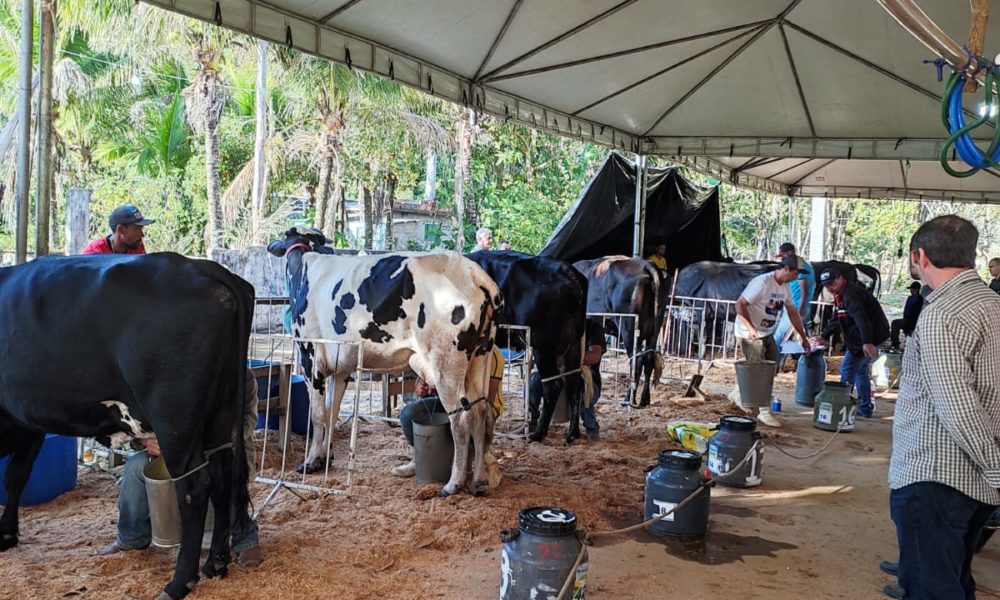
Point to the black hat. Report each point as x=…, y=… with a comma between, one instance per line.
x=126, y=214
x=829, y=275
x=790, y=262
x=787, y=247
x=915, y=285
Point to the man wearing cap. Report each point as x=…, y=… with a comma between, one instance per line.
x=802, y=289
x=863, y=325
x=126, y=224
x=758, y=310
x=910, y=313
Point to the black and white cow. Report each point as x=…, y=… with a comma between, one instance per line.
x=131, y=346
x=619, y=284
x=434, y=313
x=550, y=297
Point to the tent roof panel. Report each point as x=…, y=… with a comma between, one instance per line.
x=463, y=30
x=578, y=83
x=660, y=22
x=869, y=94
x=756, y=92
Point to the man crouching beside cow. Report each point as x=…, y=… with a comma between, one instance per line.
x=433, y=313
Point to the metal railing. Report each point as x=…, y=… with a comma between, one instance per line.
x=282, y=450
x=703, y=329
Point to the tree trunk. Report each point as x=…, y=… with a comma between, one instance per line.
x=335, y=198
x=323, y=189
x=430, y=182
x=463, y=131
x=216, y=237
x=366, y=214
x=387, y=214
x=259, y=194
x=529, y=163
x=43, y=128
x=341, y=211
x=77, y=221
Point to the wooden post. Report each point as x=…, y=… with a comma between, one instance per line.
x=77, y=221
x=977, y=34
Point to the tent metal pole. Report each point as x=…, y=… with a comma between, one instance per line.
x=24, y=131
x=640, y=205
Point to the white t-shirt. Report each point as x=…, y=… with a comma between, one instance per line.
x=765, y=299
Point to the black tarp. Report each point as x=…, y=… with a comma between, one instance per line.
x=679, y=213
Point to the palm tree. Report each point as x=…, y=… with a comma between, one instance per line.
x=206, y=99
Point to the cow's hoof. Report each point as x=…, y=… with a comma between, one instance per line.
x=537, y=437
x=310, y=467
x=7, y=541
x=479, y=488
x=215, y=568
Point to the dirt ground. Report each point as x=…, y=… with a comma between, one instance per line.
x=816, y=527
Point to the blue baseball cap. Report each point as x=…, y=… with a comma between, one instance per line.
x=126, y=214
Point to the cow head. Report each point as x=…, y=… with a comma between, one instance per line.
x=306, y=238
x=298, y=241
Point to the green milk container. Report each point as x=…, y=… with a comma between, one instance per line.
x=836, y=407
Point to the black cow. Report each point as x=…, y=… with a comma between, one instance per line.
x=131, y=346
x=550, y=297
x=619, y=284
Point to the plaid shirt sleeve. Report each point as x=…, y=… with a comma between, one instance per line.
x=954, y=397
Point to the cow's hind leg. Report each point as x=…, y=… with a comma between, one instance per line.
x=460, y=433
x=480, y=484
x=644, y=372
x=22, y=446
x=550, y=396
x=574, y=397
x=316, y=455
x=221, y=473
x=192, y=499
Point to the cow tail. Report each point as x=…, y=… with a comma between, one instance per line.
x=241, y=471
x=585, y=374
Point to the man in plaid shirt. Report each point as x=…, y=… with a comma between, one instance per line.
x=945, y=468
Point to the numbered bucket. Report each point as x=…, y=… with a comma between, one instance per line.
x=836, y=408
x=538, y=556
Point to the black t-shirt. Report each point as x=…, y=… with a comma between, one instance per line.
x=995, y=285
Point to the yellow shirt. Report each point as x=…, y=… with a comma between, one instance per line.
x=496, y=372
x=660, y=262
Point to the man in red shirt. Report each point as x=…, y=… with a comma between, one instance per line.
x=126, y=224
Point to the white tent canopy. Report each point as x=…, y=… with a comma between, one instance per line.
x=736, y=82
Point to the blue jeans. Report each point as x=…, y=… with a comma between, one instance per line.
x=937, y=528
x=134, y=528
x=587, y=413
x=425, y=406
x=856, y=369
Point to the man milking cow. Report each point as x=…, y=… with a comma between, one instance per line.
x=427, y=402
x=595, y=349
x=135, y=531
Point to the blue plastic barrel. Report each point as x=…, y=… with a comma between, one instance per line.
x=300, y=399
x=53, y=473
